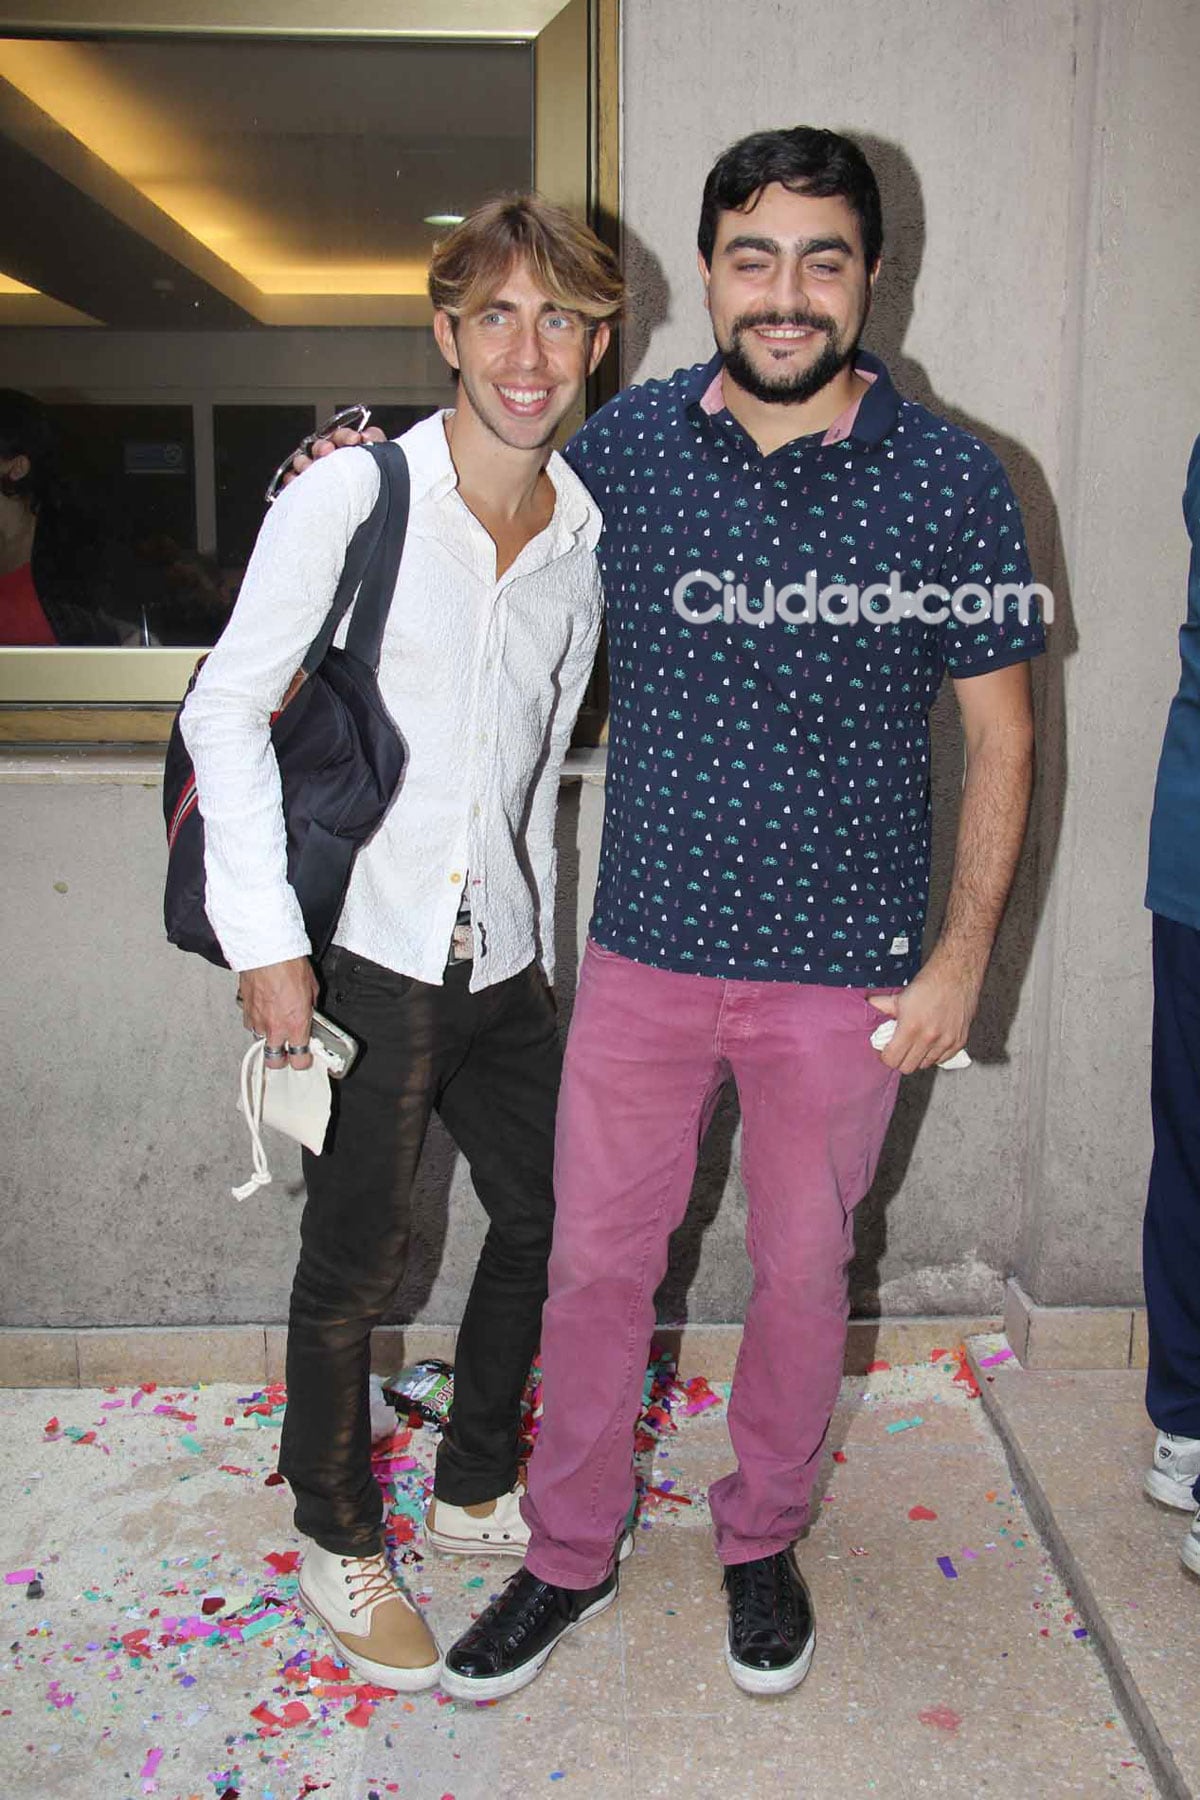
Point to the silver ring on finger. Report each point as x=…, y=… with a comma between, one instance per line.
x=275, y=1050
x=296, y=1049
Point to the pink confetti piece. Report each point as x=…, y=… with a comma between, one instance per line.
x=942, y=1718
x=20, y=1577
x=150, y=1766
x=989, y=1362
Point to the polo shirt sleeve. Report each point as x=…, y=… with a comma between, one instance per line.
x=988, y=552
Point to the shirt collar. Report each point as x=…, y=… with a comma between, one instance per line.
x=431, y=471
x=868, y=421
x=432, y=475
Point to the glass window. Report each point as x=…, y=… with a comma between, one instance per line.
x=209, y=245
x=215, y=235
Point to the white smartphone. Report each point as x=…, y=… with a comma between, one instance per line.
x=336, y=1048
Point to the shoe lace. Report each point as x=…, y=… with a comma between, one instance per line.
x=370, y=1581
x=517, y=1610
x=762, y=1596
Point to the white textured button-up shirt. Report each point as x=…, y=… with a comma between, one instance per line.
x=483, y=677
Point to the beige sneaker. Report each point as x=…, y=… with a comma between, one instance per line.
x=502, y=1532
x=373, y=1624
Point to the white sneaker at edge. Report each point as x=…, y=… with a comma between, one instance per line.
x=371, y=1621
x=1174, y=1472
x=1189, y=1550
x=502, y=1532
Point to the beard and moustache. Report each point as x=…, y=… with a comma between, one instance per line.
x=788, y=389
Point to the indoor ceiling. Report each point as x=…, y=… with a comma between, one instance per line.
x=225, y=183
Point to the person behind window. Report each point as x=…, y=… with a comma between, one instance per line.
x=54, y=577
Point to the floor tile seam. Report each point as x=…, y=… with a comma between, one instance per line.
x=623, y=1665
x=1133, y=1707
x=853, y=1607
x=918, y=1443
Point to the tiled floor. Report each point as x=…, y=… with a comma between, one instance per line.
x=1083, y=1443
x=949, y=1661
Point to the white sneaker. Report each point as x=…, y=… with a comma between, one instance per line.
x=455, y=1531
x=371, y=1621
x=1189, y=1550
x=1174, y=1472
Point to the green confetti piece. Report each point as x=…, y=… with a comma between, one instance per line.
x=256, y=1627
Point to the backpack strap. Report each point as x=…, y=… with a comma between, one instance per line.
x=369, y=573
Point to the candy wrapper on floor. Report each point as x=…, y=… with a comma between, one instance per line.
x=426, y=1388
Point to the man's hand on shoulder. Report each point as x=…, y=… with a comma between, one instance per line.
x=277, y=1004
x=341, y=439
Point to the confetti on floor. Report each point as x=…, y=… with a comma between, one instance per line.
x=164, y=1653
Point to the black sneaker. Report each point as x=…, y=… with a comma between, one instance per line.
x=771, y=1629
x=511, y=1639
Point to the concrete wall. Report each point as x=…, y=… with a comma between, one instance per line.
x=1131, y=411
x=118, y=1112
x=1038, y=164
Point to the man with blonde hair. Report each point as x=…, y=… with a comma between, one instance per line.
x=442, y=958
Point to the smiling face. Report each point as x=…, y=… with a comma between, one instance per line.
x=521, y=359
x=788, y=293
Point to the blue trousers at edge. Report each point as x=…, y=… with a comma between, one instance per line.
x=1171, y=1233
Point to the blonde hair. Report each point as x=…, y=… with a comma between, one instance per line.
x=577, y=271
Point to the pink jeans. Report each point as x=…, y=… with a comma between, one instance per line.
x=648, y=1053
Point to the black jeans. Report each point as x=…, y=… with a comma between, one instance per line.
x=489, y=1063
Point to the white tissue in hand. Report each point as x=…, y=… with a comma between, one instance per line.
x=883, y=1034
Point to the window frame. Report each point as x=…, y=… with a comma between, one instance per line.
x=108, y=695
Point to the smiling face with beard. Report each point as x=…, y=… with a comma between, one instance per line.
x=788, y=293
x=788, y=385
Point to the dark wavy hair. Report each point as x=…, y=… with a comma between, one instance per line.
x=808, y=161
x=26, y=430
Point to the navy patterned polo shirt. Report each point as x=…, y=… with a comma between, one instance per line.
x=767, y=813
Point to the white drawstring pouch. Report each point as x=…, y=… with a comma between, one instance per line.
x=294, y=1101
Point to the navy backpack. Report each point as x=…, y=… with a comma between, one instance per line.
x=340, y=755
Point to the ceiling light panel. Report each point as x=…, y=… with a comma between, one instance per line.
x=307, y=169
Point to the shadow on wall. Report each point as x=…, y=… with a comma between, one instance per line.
x=886, y=332
x=887, y=329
